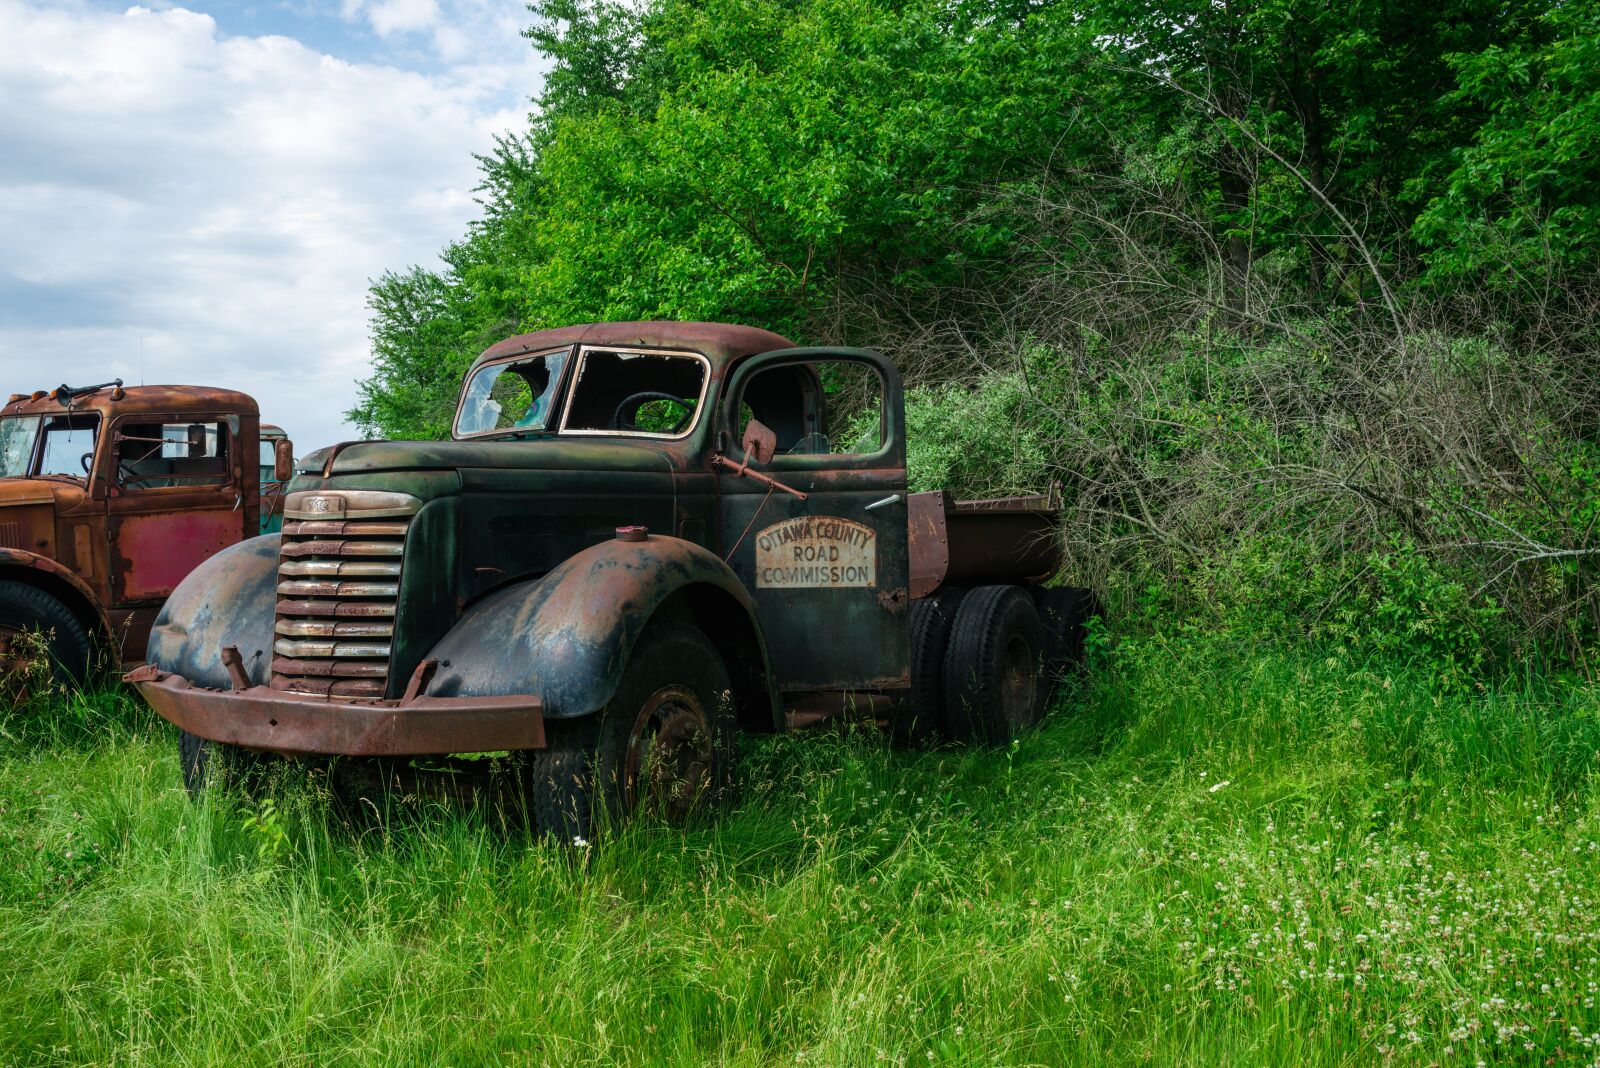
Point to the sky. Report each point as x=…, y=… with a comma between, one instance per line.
x=201, y=193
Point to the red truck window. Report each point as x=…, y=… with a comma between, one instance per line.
x=164, y=455
x=68, y=446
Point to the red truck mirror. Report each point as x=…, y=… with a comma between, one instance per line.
x=759, y=442
x=197, y=441
x=282, y=460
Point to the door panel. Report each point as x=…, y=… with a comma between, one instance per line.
x=829, y=574
x=157, y=551
x=180, y=491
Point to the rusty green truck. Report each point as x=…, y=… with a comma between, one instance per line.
x=643, y=540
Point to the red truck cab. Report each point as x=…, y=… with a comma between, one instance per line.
x=109, y=497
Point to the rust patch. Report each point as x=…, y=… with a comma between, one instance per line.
x=892, y=600
x=264, y=718
x=161, y=550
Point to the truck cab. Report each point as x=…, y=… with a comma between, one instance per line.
x=109, y=497
x=275, y=474
x=642, y=539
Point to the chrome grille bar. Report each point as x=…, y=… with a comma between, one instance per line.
x=338, y=583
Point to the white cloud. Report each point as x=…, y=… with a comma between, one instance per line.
x=181, y=205
x=389, y=17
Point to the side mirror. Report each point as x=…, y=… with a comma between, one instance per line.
x=759, y=442
x=197, y=441
x=282, y=460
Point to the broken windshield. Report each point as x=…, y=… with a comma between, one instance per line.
x=519, y=394
x=17, y=435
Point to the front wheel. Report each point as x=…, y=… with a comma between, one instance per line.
x=217, y=765
x=41, y=643
x=663, y=746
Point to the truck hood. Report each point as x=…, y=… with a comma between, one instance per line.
x=61, y=492
x=538, y=454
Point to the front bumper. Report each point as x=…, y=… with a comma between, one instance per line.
x=263, y=718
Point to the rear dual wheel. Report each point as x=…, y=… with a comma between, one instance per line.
x=995, y=681
x=919, y=717
x=663, y=746
x=1065, y=612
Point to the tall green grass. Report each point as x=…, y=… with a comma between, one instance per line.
x=1208, y=855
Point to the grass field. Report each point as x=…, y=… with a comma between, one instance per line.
x=1209, y=855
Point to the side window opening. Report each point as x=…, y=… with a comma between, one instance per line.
x=826, y=408
x=164, y=455
x=68, y=447
x=268, y=460
x=644, y=393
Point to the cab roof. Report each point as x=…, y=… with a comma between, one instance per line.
x=136, y=400
x=721, y=343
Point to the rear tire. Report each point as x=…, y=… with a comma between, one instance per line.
x=919, y=716
x=665, y=744
x=1065, y=612
x=31, y=619
x=995, y=686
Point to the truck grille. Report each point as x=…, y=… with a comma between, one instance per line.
x=338, y=581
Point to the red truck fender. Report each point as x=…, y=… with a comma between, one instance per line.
x=62, y=583
x=567, y=636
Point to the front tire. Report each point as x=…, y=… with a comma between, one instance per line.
x=33, y=623
x=664, y=745
x=217, y=765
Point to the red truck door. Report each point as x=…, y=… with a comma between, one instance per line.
x=178, y=496
x=829, y=573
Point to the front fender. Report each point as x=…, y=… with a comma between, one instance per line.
x=567, y=636
x=228, y=600
x=90, y=608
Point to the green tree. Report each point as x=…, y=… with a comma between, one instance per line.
x=1523, y=196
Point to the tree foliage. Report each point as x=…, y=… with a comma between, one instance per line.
x=777, y=161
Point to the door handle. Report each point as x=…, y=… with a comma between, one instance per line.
x=891, y=499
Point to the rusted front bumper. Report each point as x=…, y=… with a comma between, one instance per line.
x=263, y=718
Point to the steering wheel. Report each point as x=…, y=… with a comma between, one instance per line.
x=85, y=460
x=127, y=476
x=633, y=401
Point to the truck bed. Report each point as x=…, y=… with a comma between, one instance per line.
x=982, y=542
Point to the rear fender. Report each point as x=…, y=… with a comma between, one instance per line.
x=62, y=583
x=567, y=636
x=228, y=600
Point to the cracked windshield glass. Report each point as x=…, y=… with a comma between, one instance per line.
x=520, y=395
x=17, y=435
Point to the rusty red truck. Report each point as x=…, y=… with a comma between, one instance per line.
x=643, y=539
x=109, y=497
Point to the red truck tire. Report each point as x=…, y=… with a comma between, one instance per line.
x=206, y=764
x=24, y=609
